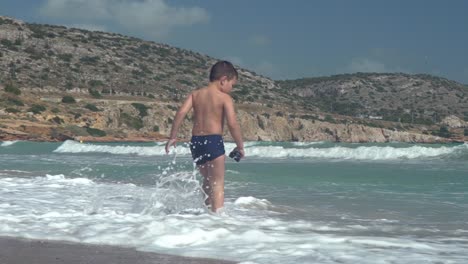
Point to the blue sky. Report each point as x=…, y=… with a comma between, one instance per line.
x=283, y=39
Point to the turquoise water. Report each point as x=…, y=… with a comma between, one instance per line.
x=285, y=202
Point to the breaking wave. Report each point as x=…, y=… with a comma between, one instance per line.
x=8, y=143
x=293, y=151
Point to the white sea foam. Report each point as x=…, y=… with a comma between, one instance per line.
x=304, y=144
x=253, y=150
x=8, y=143
x=73, y=181
x=252, y=203
x=82, y=210
x=70, y=146
x=359, y=153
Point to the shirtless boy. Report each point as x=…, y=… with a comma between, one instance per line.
x=212, y=105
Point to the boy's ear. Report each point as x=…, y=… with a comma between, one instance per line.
x=223, y=79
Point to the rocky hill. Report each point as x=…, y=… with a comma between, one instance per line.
x=58, y=83
x=422, y=99
x=54, y=58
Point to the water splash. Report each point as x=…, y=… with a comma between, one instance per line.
x=8, y=143
x=178, y=192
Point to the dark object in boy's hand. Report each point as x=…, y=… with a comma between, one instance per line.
x=235, y=154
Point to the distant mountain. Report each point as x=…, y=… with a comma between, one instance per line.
x=56, y=57
x=58, y=83
x=419, y=98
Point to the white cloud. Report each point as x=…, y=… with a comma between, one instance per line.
x=154, y=18
x=259, y=40
x=366, y=65
x=88, y=27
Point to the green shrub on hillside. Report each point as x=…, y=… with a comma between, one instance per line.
x=308, y=117
x=185, y=82
x=37, y=109
x=92, y=107
x=68, y=99
x=350, y=109
x=173, y=108
x=77, y=130
x=131, y=121
x=69, y=85
x=95, y=132
x=90, y=60
x=5, y=21
x=12, y=110
x=95, y=83
x=10, y=88
x=7, y=43
x=65, y=57
x=37, y=30
x=94, y=93
x=57, y=120
x=143, y=109
x=15, y=101
x=329, y=119
x=443, y=132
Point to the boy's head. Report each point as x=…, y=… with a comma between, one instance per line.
x=221, y=69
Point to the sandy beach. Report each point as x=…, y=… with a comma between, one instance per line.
x=22, y=251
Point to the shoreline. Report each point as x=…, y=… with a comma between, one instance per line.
x=162, y=138
x=15, y=250
x=148, y=140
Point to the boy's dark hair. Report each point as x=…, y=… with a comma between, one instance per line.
x=223, y=68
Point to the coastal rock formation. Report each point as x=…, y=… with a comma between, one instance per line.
x=280, y=128
x=454, y=122
x=120, y=120
x=125, y=88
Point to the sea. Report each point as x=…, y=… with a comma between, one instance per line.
x=286, y=202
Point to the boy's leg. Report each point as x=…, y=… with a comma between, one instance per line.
x=206, y=187
x=213, y=182
x=216, y=182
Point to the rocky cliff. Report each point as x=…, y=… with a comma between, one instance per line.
x=142, y=119
x=59, y=83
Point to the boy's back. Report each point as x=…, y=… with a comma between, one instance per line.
x=208, y=111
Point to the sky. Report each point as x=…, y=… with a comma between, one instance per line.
x=283, y=39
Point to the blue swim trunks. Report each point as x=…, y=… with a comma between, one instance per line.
x=206, y=148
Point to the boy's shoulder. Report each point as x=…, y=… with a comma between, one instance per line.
x=221, y=95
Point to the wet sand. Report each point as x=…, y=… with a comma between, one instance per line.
x=25, y=251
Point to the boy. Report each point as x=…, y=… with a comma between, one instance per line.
x=212, y=105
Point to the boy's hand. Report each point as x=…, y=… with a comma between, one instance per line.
x=171, y=142
x=241, y=151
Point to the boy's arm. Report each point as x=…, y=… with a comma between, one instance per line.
x=233, y=126
x=179, y=117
